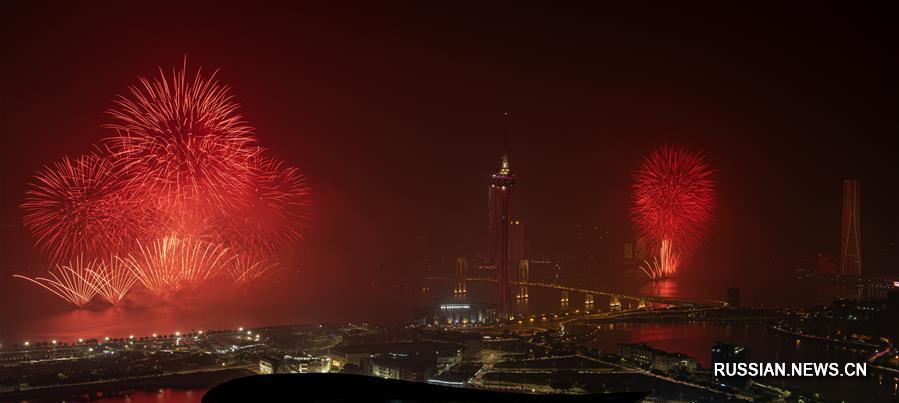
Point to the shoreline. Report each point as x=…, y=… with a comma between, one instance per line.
x=824, y=340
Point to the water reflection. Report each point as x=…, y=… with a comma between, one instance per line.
x=662, y=288
x=522, y=305
x=167, y=395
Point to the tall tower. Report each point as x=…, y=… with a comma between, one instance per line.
x=850, y=242
x=498, y=199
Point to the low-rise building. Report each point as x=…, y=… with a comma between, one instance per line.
x=668, y=362
x=271, y=365
x=638, y=353
x=646, y=356
x=360, y=355
x=402, y=367
x=306, y=364
x=456, y=313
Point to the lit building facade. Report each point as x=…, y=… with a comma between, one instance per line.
x=456, y=314
x=499, y=196
x=270, y=365
x=645, y=356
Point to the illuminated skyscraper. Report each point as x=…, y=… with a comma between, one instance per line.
x=498, y=214
x=851, y=245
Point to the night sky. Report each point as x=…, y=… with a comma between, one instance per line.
x=397, y=115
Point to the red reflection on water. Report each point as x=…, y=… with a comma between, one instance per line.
x=663, y=288
x=693, y=339
x=161, y=395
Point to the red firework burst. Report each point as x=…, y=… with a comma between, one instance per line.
x=275, y=212
x=180, y=194
x=173, y=263
x=71, y=282
x=80, y=207
x=673, y=202
x=182, y=142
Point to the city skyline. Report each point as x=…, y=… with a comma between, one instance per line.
x=781, y=172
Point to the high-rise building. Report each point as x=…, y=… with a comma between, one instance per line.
x=851, y=245
x=499, y=208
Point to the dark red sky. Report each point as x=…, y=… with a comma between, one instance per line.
x=396, y=115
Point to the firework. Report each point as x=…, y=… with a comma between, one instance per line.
x=173, y=263
x=70, y=282
x=112, y=279
x=280, y=202
x=249, y=268
x=673, y=202
x=182, y=142
x=79, y=207
x=275, y=214
x=180, y=194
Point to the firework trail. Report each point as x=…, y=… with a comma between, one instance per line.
x=672, y=205
x=70, y=282
x=173, y=263
x=250, y=269
x=112, y=279
x=78, y=206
